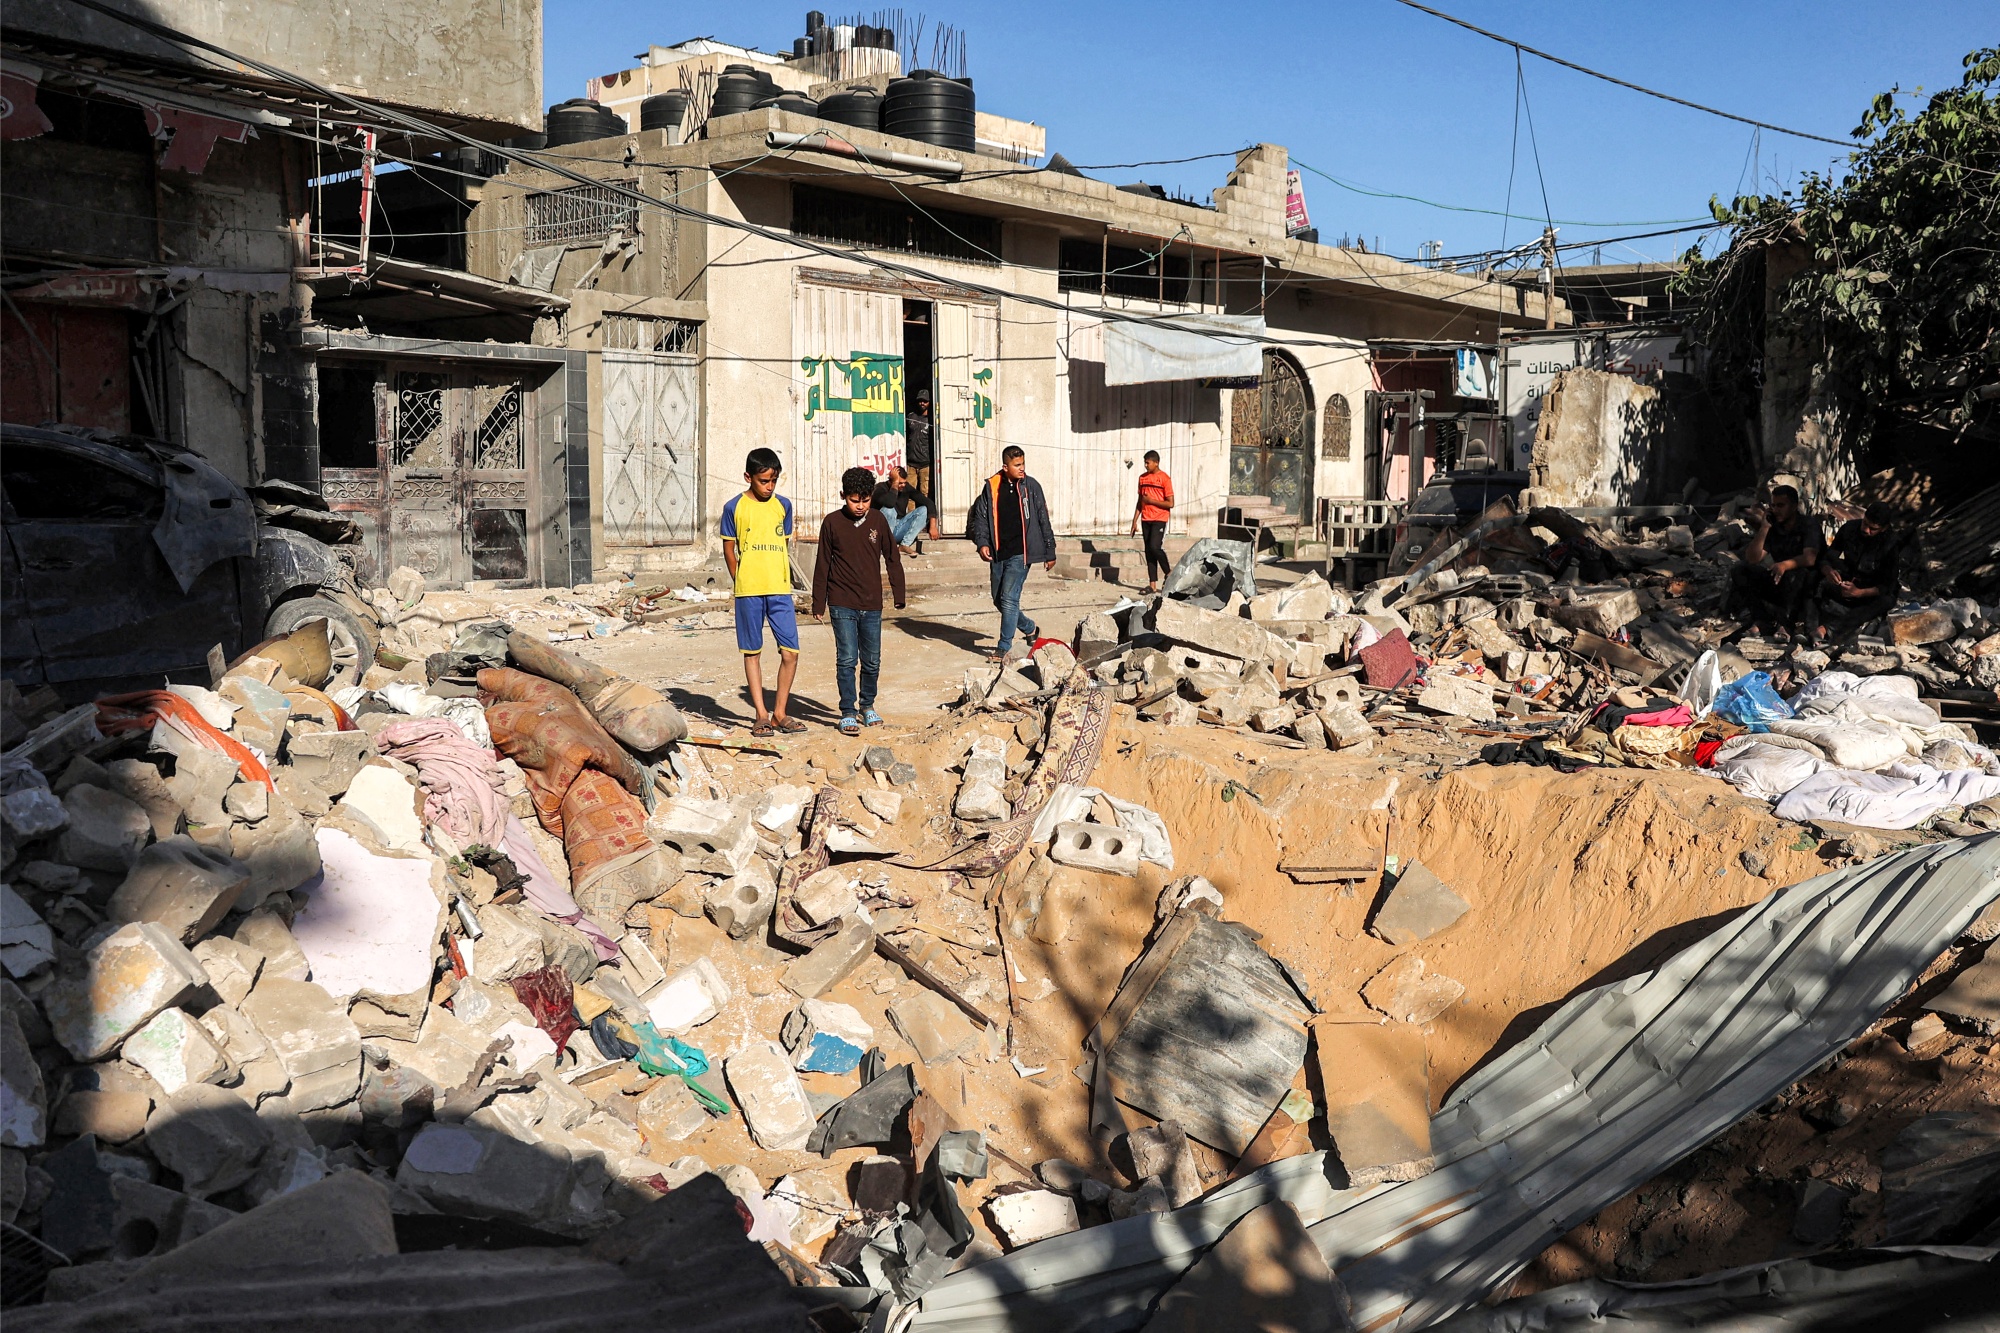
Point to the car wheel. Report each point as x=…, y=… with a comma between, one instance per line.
x=353, y=646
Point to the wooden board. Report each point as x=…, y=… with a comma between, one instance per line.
x=1211, y=1035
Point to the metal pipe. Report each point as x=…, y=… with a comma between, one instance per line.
x=820, y=141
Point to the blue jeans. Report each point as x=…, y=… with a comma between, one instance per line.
x=857, y=636
x=1008, y=575
x=910, y=526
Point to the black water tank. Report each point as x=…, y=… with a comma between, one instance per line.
x=815, y=20
x=529, y=143
x=932, y=109
x=859, y=107
x=737, y=90
x=663, y=111
x=801, y=47
x=580, y=120
x=796, y=103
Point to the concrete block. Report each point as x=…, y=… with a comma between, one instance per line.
x=773, y=1101
x=330, y=759
x=886, y=806
x=280, y=853
x=130, y=975
x=1406, y=991
x=266, y=934
x=1458, y=696
x=176, y=1051
x=638, y=966
x=261, y=712
x=1345, y=726
x=1161, y=1152
x=248, y=801
x=826, y=1037
x=507, y=947
x=1210, y=631
x=1377, y=1082
x=1100, y=847
x=934, y=1026
x=390, y=802
x=709, y=836
x=1272, y=721
x=829, y=961
x=95, y=1207
x=1311, y=598
x=1312, y=731
x=445, y=1052
x=141, y=783
x=113, y=1117
x=688, y=998
x=480, y=1172
x=1493, y=643
x=183, y=886
x=105, y=831
x=201, y=778
x=1603, y=613
x=1416, y=907
x=670, y=1112
x=207, y=1136
x=309, y=1031
x=24, y=1108
x=1031, y=1215
x=827, y=896
x=981, y=801
x=261, y=1073
x=26, y=942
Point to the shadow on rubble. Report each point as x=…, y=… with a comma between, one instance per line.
x=940, y=631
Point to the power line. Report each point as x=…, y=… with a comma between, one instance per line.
x=1490, y=212
x=1622, y=83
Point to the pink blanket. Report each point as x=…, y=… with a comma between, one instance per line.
x=463, y=793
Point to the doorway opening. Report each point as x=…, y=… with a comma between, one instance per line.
x=919, y=396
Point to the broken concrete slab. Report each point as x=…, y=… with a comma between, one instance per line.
x=209, y=1137
x=113, y=1117
x=1404, y=990
x=1031, y=1215
x=1161, y=1152
x=24, y=1109
x=369, y=922
x=105, y=831
x=670, y=1112
x=265, y=933
x=1346, y=728
x=176, y=1051
x=934, y=1026
x=1210, y=631
x=131, y=975
x=826, y=1037
x=773, y=1101
x=141, y=783
x=343, y=1218
x=687, y=998
x=1602, y=613
x=389, y=801
x=1377, y=1085
x=330, y=759
x=1973, y=996
x=308, y=1030
x=1458, y=696
x=507, y=947
x=279, y=851
x=1416, y=906
x=185, y=887
x=830, y=961
x=1105, y=849
x=480, y=1172
x=26, y=942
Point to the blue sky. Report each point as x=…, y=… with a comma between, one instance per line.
x=1393, y=100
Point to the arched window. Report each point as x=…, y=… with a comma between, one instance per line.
x=1336, y=436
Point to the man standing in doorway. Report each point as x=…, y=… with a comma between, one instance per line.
x=1009, y=523
x=1155, y=508
x=917, y=433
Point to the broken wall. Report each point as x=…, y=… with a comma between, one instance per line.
x=1601, y=441
x=1800, y=431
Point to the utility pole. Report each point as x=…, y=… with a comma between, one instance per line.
x=1548, y=277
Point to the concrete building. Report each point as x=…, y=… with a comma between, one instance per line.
x=793, y=319
x=169, y=270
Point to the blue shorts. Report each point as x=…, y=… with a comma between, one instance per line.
x=752, y=612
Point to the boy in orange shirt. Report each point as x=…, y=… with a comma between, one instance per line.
x=1155, y=507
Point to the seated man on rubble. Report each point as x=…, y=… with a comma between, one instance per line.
x=1774, y=595
x=1858, y=575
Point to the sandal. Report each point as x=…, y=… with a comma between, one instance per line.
x=789, y=724
x=850, y=727
x=870, y=718
x=763, y=729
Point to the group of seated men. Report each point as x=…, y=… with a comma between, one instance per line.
x=1809, y=586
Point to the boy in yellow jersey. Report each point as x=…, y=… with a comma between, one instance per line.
x=756, y=528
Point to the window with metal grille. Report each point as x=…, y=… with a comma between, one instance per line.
x=581, y=213
x=641, y=333
x=893, y=224
x=496, y=441
x=420, y=435
x=1118, y=270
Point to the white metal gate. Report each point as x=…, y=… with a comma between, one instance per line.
x=847, y=351
x=652, y=433
x=966, y=403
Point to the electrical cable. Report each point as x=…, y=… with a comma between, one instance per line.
x=1463, y=208
x=1622, y=83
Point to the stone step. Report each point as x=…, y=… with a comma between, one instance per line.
x=1242, y=501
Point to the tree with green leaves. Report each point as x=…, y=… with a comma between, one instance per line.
x=1897, y=297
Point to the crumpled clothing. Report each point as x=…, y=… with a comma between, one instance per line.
x=123, y=714
x=1761, y=770
x=1535, y=754
x=1901, y=796
x=548, y=996
x=1649, y=741
x=463, y=793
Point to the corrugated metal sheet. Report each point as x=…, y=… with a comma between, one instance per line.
x=966, y=404
x=1104, y=432
x=831, y=326
x=1621, y=1082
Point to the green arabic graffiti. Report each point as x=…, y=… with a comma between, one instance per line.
x=982, y=404
x=874, y=390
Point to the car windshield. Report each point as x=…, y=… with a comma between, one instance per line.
x=55, y=484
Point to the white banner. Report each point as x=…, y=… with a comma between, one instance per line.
x=1197, y=347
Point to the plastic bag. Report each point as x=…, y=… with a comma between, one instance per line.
x=1703, y=683
x=1749, y=701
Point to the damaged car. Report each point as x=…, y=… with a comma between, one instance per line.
x=127, y=559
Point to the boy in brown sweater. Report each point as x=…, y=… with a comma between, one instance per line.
x=854, y=543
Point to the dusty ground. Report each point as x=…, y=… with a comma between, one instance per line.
x=1574, y=880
